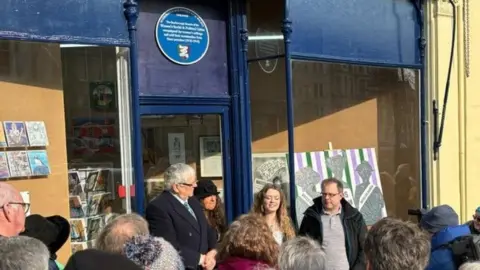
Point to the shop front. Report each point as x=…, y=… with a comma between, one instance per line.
x=99, y=99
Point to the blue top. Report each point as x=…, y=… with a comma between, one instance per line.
x=441, y=258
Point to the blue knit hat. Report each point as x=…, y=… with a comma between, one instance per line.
x=439, y=218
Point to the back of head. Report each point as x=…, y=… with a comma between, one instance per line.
x=92, y=259
x=153, y=253
x=115, y=234
x=249, y=237
x=470, y=266
x=22, y=252
x=301, y=253
x=7, y=193
x=392, y=244
x=439, y=218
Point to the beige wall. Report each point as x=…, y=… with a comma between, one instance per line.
x=31, y=90
x=454, y=176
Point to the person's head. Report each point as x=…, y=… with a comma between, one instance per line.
x=302, y=253
x=470, y=266
x=439, y=218
x=153, y=253
x=332, y=193
x=93, y=259
x=476, y=219
x=271, y=199
x=115, y=234
x=53, y=231
x=393, y=244
x=206, y=191
x=12, y=211
x=180, y=179
x=22, y=252
x=249, y=237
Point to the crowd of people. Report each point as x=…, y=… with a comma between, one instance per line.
x=185, y=228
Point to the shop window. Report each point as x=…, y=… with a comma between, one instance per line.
x=268, y=103
x=66, y=127
x=359, y=124
x=195, y=140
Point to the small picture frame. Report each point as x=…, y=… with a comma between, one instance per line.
x=211, y=163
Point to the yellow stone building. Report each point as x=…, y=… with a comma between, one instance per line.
x=454, y=176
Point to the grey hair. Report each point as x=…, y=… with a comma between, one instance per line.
x=177, y=174
x=119, y=231
x=22, y=252
x=393, y=244
x=333, y=181
x=470, y=266
x=301, y=253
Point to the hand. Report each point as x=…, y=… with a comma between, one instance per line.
x=210, y=262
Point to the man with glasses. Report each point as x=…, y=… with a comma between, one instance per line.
x=337, y=226
x=177, y=216
x=12, y=211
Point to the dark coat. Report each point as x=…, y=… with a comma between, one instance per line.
x=169, y=219
x=354, y=228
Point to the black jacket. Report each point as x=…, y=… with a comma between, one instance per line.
x=353, y=225
x=169, y=219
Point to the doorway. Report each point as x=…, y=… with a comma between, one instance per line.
x=197, y=136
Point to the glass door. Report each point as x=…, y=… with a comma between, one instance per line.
x=199, y=138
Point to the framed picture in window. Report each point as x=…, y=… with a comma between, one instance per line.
x=210, y=156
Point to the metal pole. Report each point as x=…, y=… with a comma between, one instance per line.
x=287, y=32
x=131, y=15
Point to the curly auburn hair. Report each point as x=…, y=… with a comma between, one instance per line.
x=283, y=218
x=249, y=237
x=216, y=217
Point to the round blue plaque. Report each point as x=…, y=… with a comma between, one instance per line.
x=182, y=36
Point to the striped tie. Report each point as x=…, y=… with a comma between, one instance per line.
x=190, y=209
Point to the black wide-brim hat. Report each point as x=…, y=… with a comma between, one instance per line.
x=205, y=188
x=53, y=231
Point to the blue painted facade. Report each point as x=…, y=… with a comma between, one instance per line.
x=374, y=32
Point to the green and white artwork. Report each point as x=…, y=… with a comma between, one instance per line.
x=357, y=168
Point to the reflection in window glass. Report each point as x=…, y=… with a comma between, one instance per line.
x=362, y=113
x=267, y=95
x=92, y=125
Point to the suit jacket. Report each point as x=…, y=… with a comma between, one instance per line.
x=169, y=219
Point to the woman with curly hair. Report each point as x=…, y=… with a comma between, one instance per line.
x=270, y=202
x=248, y=245
x=206, y=192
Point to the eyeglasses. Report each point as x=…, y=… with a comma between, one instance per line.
x=331, y=195
x=189, y=185
x=26, y=206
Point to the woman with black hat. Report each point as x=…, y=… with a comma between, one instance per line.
x=53, y=231
x=206, y=192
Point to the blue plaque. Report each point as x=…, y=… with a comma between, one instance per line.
x=182, y=36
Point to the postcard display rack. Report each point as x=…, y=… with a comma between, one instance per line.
x=91, y=188
x=23, y=151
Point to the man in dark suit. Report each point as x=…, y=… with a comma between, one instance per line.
x=178, y=217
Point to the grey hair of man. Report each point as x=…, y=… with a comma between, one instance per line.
x=119, y=231
x=393, y=244
x=177, y=174
x=22, y=252
x=329, y=181
x=301, y=253
x=470, y=266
